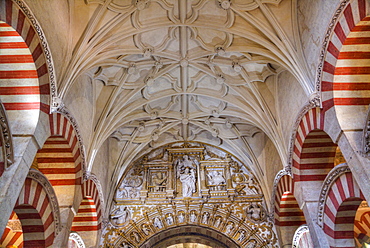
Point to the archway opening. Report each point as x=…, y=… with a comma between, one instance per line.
x=362, y=225
x=185, y=236
x=32, y=226
x=13, y=233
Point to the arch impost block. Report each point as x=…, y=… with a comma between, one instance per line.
x=332, y=176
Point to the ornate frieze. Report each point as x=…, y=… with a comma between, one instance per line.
x=188, y=184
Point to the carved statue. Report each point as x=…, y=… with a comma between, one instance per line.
x=181, y=217
x=193, y=217
x=145, y=229
x=217, y=222
x=215, y=178
x=159, y=181
x=157, y=223
x=251, y=244
x=241, y=236
x=169, y=219
x=229, y=227
x=205, y=218
x=120, y=215
x=124, y=245
x=186, y=170
x=135, y=236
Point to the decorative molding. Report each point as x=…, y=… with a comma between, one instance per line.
x=92, y=177
x=77, y=238
x=45, y=47
x=314, y=103
x=41, y=179
x=366, y=136
x=278, y=176
x=6, y=138
x=324, y=47
x=64, y=111
x=298, y=234
x=330, y=179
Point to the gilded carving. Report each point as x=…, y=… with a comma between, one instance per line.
x=189, y=184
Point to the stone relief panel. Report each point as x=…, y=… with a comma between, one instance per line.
x=188, y=184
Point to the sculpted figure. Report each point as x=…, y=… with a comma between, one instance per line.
x=169, y=219
x=181, y=217
x=157, y=223
x=159, y=180
x=241, y=236
x=120, y=215
x=251, y=244
x=145, y=229
x=229, y=228
x=135, y=236
x=186, y=173
x=205, y=218
x=217, y=222
x=193, y=217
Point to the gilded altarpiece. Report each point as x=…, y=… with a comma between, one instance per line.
x=188, y=184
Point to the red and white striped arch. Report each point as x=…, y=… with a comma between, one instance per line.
x=38, y=211
x=288, y=215
x=340, y=198
x=314, y=151
x=287, y=211
x=60, y=159
x=345, y=81
x=12, y=236
x=26, y=68
x=87, y=222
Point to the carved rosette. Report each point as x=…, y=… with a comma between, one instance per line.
x=41, y=179
x=328, y=182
